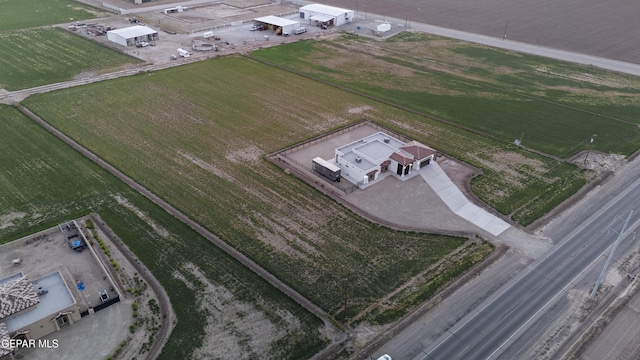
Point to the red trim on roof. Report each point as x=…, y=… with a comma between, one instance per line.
x=401, y=159
x=418, y=150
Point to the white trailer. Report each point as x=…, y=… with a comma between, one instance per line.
x=326, y=168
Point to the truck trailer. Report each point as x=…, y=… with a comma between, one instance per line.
x=326, y=168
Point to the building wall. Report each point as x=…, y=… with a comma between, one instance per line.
x=130, y=41
x=342, y=19
x=116, y=38
x=352, y=171
x=290, y=28
x=45, y=326
x=416, y=164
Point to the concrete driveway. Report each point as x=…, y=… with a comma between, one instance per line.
x=427, y=201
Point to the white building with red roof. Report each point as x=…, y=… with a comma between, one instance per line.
x=363, y=161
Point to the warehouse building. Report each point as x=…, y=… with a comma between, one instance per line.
x=132, y=35
x=279, y=25
x=325, y=16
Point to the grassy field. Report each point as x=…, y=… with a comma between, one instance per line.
x=196, y=136
x=44, y=182
x=35, y=57
x=22, y=14
x=557, y=106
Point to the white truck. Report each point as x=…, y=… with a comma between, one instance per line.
x=184, y=53
x=299, y=31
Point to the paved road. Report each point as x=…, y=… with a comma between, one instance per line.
x=602, y=28
x=507, y=44
x=570, y=56
x=489, y=330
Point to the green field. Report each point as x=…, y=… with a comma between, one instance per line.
x=35, y=57
x=198, y=142
x=22, y=14
x=557, y=106
x=44, y=182
x=196, y=135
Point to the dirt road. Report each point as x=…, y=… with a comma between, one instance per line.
x=238, y=256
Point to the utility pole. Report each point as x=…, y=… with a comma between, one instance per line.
x=613, y=250
x=519, y=141
x=505, y=31
x=588, y=150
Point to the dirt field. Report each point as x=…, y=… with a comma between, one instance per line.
x=240, y=36
x=592, y=27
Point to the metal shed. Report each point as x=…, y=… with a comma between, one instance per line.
x=277, y=24
x=326, y=15
x=129, y=36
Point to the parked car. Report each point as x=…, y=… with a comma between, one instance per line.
x=256, y=27
x=104, y=296
x=142, y=44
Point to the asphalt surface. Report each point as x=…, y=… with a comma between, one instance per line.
x=486, y=333
x=507, y=44
x=604, y=28
x=491, y=327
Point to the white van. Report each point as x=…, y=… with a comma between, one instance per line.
x=299, y=31
x=384, y=357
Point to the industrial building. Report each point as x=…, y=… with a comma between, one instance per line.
x=279, y=25
x=132, y=35
x=363, y=161
x=325, y=16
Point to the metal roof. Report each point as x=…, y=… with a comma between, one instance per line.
x=324, y=9
x=274, y=20
x=133, y=31
x=321, y=18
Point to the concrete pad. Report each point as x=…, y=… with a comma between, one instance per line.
x=410, y=203
x=93, y=337
x=458, y=203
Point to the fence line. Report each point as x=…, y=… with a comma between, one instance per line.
x=322, y=138
x=112, y=7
